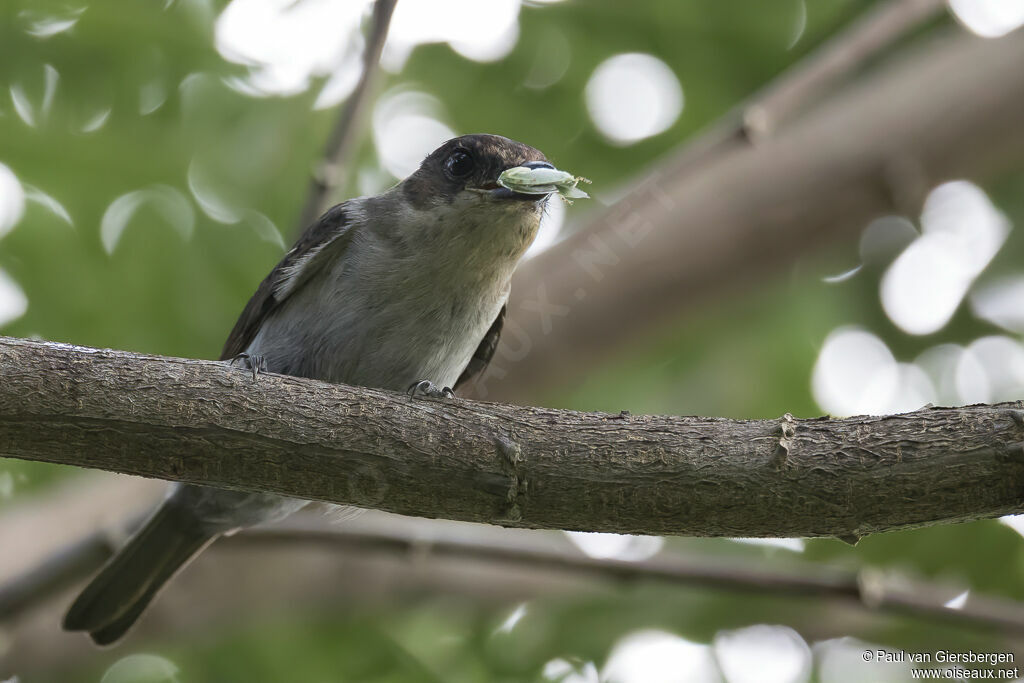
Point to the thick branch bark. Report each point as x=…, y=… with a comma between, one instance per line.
x=203, y=422
x=723, y=213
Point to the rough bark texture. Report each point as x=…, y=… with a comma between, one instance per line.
x=719, y=216
x=203, y=422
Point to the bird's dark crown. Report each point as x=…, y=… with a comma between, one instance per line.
x=490, y=155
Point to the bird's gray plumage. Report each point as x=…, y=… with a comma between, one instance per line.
x=381, y=291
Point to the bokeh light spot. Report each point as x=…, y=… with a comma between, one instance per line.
x=841, y=660
x=340, y=85
x=264, y=229
x=1001, y=303
x=959, y=601
x=1015, y=522
x=37, y=196
x=12, y=200
x=763, y=654
x=152, y=96
x=481, y=31
x=654, y=656
x=914, y=389
x=940, y=363
x=168, y=202
x=512, y=619
x=35, y=114
x=794, y=544
x=841, y=277
x=45, y=25
x=13, y=302
x=799, y=25
x=203, y=191
x=989, y=18
x=550, y=226
x=633, y=96
x=96, y=121
x=550, y=60
x=406, y=129
x=885, y=238
x=855, y=373
x=990, y=369
x=287, y=43
x=563, y=671
x=961, y=233
x=616, y=546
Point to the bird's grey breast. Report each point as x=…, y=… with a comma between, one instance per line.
x=381, y=316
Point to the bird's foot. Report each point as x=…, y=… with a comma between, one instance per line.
x=424, y=388
x=250, y=361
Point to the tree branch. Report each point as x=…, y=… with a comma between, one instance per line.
x=341, y=144
x=55, y=573
x=761, y=116
x=880, y=28
x=870, y=590
x=204, y=422
x=724, y=213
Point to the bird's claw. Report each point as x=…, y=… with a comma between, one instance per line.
x=424, y=388
x=252, y=361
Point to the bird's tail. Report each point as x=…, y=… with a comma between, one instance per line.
x=113, y=601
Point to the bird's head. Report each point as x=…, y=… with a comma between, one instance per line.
x=466, y=169
x=454, y=199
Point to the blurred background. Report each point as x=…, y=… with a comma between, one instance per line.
x=803, y=206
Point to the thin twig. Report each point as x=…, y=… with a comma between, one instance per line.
x=760, y=116
x=865, y=38
x=342, y=142
x=63, y=568
x=432, y=541
x=868, y=590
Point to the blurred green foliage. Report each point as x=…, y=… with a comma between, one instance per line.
x=749, y=355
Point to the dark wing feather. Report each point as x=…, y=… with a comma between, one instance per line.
x=485, y=352
x=326, y=237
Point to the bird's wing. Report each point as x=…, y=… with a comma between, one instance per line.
x=484, y=352
x=322, y=240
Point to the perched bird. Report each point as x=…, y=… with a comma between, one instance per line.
x=404, y=291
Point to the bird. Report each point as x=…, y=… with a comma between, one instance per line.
x=406, y=290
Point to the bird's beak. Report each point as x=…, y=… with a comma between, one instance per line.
x=539, y=179
x=504, y=193
x=534, y=181
x=523, y=192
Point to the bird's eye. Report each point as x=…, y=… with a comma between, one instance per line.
x=459, y=164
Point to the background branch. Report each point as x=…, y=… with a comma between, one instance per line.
x=310, y=560
x=724, y=216
x=204, y=422
x=867, y=589
x=344, y=137
x=881, y=27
